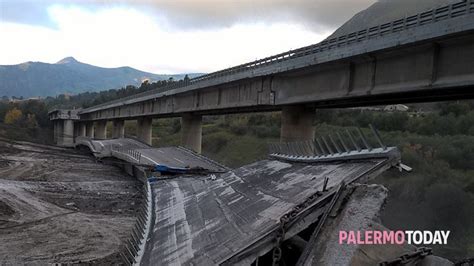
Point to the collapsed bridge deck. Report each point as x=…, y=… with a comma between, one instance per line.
x=206, y=222
x=231, y=216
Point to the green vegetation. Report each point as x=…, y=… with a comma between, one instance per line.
x=28, y=119
x=25, y=120
x=437, y=140
x=87, y=99
x=438, y=143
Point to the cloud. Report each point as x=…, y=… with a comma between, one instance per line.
x=118, y=35
x=165, y=36
x=25, y=12
x=317, y=15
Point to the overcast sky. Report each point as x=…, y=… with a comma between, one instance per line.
x=165, y=36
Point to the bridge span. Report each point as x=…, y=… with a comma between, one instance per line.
x=428, y=56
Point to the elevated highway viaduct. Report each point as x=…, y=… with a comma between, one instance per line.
x=425, y=57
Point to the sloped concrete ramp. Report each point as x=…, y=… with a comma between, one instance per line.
x=136, y=152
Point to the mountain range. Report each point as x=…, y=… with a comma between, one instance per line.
x=32, y=79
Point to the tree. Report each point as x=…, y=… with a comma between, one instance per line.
x=13, y=116
x=31, y=121
x=186, y=78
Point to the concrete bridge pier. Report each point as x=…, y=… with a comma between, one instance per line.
x=144, y=129
x=56, y=131
x=118, y=129
x=64, y=132
x=66, y=126
x=82, y=130
x=100, y=129
x=68, y=133
x=191, y=132
x=77, y=130
x=297, y=123
x=90, y=130
x=60, y=128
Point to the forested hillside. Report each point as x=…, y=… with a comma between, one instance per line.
x=28, y=119
x=69, y=76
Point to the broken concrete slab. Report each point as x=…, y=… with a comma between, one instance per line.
x=361, y=212
x=232, y=219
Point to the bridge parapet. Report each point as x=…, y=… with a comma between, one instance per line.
x=339, y=146
x=289, y=60
x=63, y=114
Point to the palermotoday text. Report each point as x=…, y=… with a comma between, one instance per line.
x=370, y=237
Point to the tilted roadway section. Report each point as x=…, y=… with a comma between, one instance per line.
x=417, y=58
x=136, y=152
x=231, y=217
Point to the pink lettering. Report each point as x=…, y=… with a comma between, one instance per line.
x=351, y=238
x=368, y=237
x=342, y=236
x=378, y=237
x=388, y=237
x=399, y=237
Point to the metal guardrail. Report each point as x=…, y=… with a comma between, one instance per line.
x=134, y=248
x=131, y=153
x=63, y=117
x=338, y=146
x=431, y=16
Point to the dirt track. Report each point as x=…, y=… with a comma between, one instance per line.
x=61, y=206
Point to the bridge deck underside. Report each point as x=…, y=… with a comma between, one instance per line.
x=203, y=221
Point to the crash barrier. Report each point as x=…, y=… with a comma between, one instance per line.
x=121, y=152
x=337, y=146
x=134, y=248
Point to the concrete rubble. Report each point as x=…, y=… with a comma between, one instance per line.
x=360, y=213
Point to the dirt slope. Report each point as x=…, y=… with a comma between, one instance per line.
x=61, y=206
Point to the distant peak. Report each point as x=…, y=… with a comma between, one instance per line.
x=67, y=60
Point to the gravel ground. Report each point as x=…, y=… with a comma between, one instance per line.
x=61, y=206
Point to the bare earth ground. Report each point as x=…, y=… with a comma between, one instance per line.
x=61, y=206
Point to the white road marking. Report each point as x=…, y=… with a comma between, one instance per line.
x=146, y=157
x=179, y=160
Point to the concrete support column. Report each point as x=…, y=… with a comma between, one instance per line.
x=68, y=133
x=191, y=132
x=100, y=129
x=82, y=130
x=55, y=130
x=60, y=132
x=90, y=129
x=76, y=130
x=144, y=129
x=297, y=123
x=118, y=129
